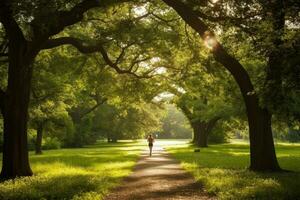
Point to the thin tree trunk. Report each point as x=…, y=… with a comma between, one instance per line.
x=15, y=151
x=39, y=138
x=262, y=151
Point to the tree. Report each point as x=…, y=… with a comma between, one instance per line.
x=205, y=102
x=174, y=124
x=21, y=53
x=129, y=121
x=51, y=95
x=262, y=151
x=204, y=92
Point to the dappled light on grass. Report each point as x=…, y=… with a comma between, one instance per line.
x=222, y=169
x=86, y=173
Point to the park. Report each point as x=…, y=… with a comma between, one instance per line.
x=87, y=87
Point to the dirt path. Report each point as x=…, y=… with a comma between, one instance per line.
x=158, y=177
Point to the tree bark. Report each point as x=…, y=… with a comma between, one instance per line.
x=262, y=151
x=202, y=130
x=15, y=151
x=203, y=135
x=39, y=138
x=21, y=56
x=196, y=130
x=200, y=134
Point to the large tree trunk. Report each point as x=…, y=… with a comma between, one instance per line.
x=202, y=130
x=262, y=151
x=39, y=138
x=15, y=152
x=203, y=135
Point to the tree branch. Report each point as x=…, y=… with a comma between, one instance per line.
x=121, y=55
x=9, y=23
x=79, y=44
x=68, y=18
x=236, y=21
x=99, y=103
x=211, y=124
x=63, y=18
x=86, y=49
x=220, y=54
x=186, y=112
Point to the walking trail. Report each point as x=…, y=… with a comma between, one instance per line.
x=158, y=177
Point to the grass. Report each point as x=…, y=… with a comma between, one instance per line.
x=89, y=173
x=222, y=170
x=85, y=173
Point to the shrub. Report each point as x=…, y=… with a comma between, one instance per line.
x=51, y=143
x=218, y=135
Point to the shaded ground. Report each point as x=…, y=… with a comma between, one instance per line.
x=158, y=177
x=222, y=169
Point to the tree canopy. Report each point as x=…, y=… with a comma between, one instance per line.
x=82, y=70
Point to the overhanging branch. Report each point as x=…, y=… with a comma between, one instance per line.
x=236, y=21
x=220, y=54
x=85, y=48
x=79, y=44
x=99, y=103
x=64, y=18
x=68, y=18
x=9, y=23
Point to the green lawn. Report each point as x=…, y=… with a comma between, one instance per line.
x=86, y=173
x=89, y=173
x=222, y=169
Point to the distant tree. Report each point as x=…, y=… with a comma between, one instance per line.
x=205, y=103
x=132, y=121
x=174, y=124
x=51, y=93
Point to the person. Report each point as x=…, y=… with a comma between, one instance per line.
x=150, y=140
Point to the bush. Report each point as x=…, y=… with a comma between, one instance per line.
x=218, y=135
x=51, y=143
